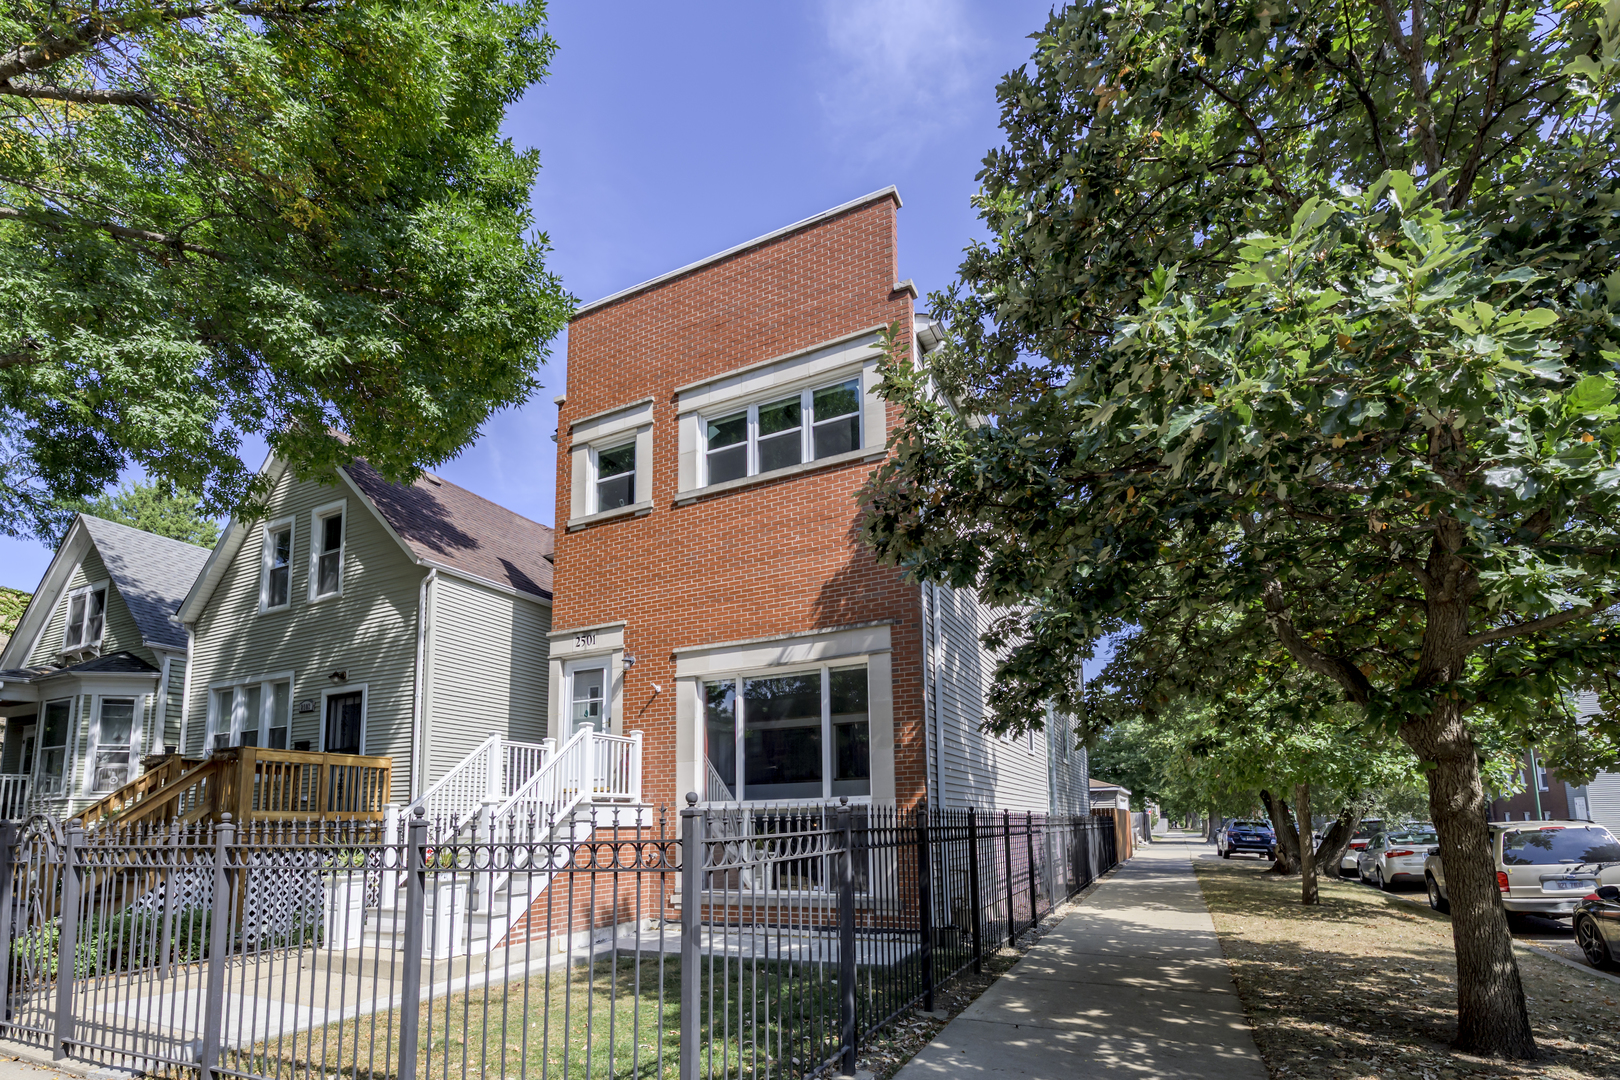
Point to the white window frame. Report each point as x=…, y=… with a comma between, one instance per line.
x=826, y=668
x=593, y=474
x=807, y=424
x=291, y=525
x=602, y=662
x=96, y=745
x=63, y=783
x=317, y=518
x=233, y=728
x=67, y=613
x=365, y=710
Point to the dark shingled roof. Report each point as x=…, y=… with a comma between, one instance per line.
x=118, y=663
x=449, y=525
x=153, y=574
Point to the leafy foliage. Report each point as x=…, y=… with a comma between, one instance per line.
x=13, y=602
x=281, y=217
x=157, y=508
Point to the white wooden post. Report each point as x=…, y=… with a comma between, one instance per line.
x=635, y=766
x=496, y=790
x=392, y=862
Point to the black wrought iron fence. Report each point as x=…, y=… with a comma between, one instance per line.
x=583, y=947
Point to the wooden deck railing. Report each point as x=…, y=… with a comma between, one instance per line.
x=250, y=783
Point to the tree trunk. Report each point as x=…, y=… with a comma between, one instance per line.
x=1307, y=846
x=1491, y=1015
x=1336, y=841
x=1282, y=825
x=1211, y=826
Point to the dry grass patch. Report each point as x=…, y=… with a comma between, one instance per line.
x=1365, y=986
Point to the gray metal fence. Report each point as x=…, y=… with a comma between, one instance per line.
x=525, y=948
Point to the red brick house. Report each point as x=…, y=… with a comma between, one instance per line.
x=712, y=587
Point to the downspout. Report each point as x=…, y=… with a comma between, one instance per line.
x=930, y=717
x=939, y=703
x=418, y=711
x=185, y=688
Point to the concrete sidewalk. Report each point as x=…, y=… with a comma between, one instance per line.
x=1132, y=983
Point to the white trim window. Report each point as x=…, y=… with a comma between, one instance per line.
x=86, y=617
x=326, y=540
x=587, y=698
x=815, y=423
x=796, y=735
x=275, y=582
x=613, y=477
x=257, y=713
x=50, y=763
x=113, y=753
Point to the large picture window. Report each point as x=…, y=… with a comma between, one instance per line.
x=798, y=735
x=815, y=423
x=86, y=618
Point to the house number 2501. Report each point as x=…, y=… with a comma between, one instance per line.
x=584, y=641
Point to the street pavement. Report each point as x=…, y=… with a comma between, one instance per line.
x=1132, y=983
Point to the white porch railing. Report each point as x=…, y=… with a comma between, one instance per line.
x=14, y=795
x=494, y=770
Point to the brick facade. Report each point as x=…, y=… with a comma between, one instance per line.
x=766, y=559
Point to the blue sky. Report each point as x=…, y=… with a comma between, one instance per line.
x=670, y=132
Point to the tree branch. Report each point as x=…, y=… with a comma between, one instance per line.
x=138, y=99
x=1536, y=625
x=1341, y=671
x=57, y=222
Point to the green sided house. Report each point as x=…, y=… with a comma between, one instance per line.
x=91, y=680
x=365, y=618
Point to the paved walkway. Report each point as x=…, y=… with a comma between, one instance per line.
x=1130, y=984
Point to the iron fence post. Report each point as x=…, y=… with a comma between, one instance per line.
x=1006, y=847
x=925, y=906
x=691, y=927
x=219, y=937
x=846, y=940
x=8, y=859
x=1029, y=854
x=410, y=1002
x=67, y=943
x=973, y=889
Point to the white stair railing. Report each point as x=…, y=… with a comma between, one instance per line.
x=495, y=769
x=14, y=796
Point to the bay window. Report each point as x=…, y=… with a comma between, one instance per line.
x=812, y=424
x=51, y=767
x=798, y=735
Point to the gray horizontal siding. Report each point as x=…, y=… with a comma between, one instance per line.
x=369, y=631
x=120, y=634
x=488, y=669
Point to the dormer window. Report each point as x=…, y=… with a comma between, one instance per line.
x=326, y=552
x=86, y=617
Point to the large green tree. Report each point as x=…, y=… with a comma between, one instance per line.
x=1309, y=308
x=154, y=507
x=292, y=218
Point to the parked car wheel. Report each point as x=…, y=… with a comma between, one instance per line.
x=1592, y=944
x=1227, y=854
x=1436, y=901
x=1378, y=879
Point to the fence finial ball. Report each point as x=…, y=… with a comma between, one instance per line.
x=843, y=800
x=691, y=798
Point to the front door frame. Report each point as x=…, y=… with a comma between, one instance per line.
x=340, y=691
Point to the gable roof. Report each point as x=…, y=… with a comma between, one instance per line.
x=445, y=525
x=153, y=574
x=436, y=523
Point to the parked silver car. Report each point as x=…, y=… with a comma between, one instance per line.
x=1391, y=857
x=1542, y=867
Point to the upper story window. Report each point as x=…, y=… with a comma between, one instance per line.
x=815, y=423
x=86, y=617
x=326, y=552
x=615, y=478
x=275, y=588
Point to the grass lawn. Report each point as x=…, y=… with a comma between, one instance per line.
x=1364, y=985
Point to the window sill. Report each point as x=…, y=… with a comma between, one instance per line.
x=277, y=610
x=633, y=509
x=320, y=599
x=875, y=453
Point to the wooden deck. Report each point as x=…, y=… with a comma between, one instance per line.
x=251, y=784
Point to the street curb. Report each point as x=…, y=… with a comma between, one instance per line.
x=1584, y=969
x=40, y=1058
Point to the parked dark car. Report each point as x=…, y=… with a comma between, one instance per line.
x=1597, y=927
x=1254, y=837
